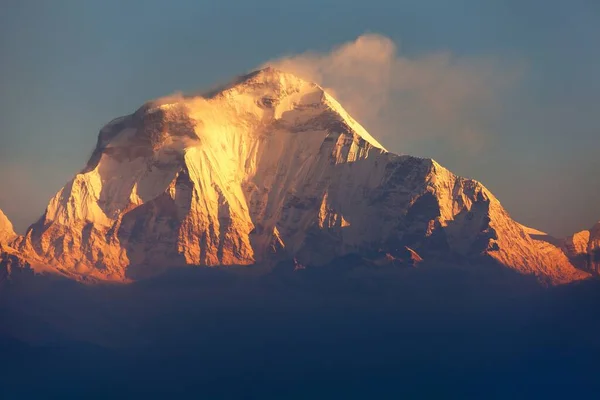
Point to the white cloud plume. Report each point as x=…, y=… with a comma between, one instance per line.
x=402, y=100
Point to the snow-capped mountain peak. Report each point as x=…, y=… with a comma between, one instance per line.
x=267, y=167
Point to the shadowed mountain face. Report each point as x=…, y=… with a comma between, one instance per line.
x=268, y=168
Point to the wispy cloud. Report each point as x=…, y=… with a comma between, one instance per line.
x=401, y=99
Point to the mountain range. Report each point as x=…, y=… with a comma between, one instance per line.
x=271, y=169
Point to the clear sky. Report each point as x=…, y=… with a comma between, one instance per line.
x=68, y=67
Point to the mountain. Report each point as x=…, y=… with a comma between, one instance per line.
x=7, y=234
x=12, y=264
x=267, y=168
x=583, y=248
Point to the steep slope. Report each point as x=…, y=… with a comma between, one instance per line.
x=583, y=248
x=7, y=233
x=268, y=167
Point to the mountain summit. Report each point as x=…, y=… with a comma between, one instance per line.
x=268, y=168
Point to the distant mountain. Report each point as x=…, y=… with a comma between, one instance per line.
x=12, y=264
x=268, y=168
x=7, y=234
x=583, y=248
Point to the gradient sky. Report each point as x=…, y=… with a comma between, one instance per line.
x=68, y=67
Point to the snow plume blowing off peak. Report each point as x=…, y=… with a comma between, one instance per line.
x=404, y=100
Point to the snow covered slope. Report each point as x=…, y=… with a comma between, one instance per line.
x=269, y=167
x=7, y=234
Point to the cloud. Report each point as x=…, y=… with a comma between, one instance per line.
x=174, y=97
x=403, y=100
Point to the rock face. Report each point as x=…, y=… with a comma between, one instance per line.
x=268, y=167
x=583, y=248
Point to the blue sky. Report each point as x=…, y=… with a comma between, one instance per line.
x=68, y=67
